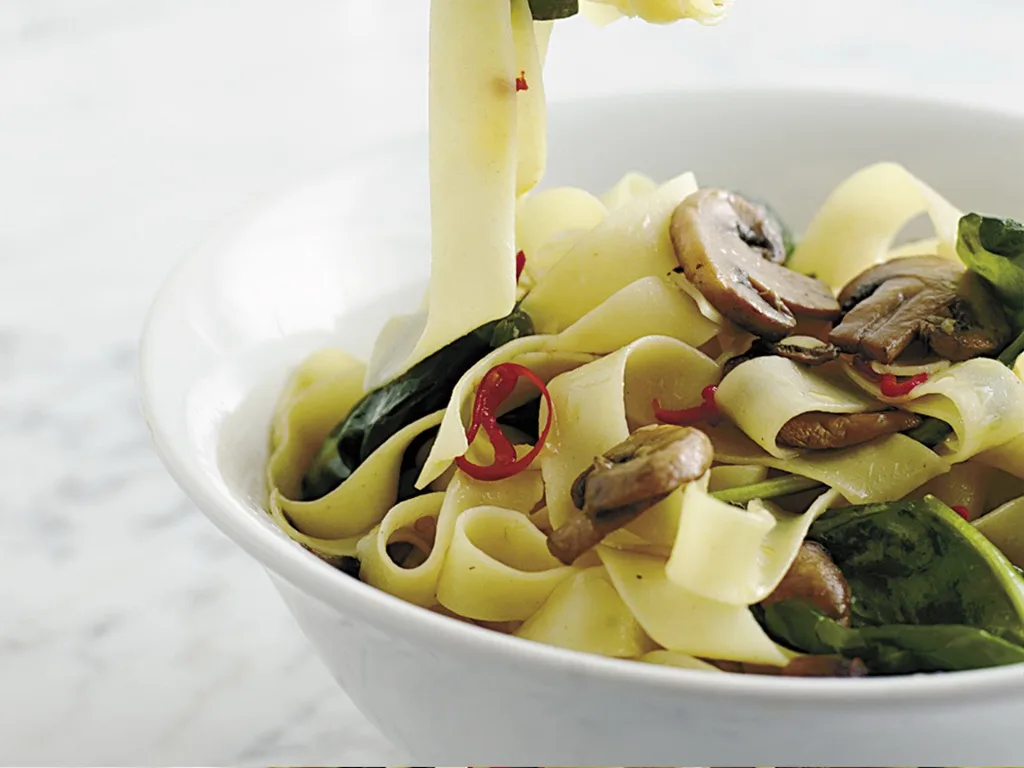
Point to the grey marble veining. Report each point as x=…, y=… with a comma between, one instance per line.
x=131, y=632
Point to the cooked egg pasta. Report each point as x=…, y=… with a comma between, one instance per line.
x=365, y=497
x=541, y=216
x=668, y=11
x=627, y=189
x=631, y=243
x=862, y=217
x=531, y=107
x=980, y=399
x=762, y=394
x=733, y=555
x=473, y=170
x=451, y=438
x=682, y=621
x=596, y=405
x=883, y=469
x=498, y=566
x=1004, y=527
x=420, y=584
x=650, y=306
x=1008, y=457
x=585, y=613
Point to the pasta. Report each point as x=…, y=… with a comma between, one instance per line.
x=642, y=423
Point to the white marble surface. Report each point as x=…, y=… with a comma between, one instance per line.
x=131, y=632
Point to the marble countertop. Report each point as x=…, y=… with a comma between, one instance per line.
x=131, y=632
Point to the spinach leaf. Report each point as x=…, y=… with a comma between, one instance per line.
x=920, y=563
x=423, y=389
x=994, y=249
x=547, y=10
x=892, y=649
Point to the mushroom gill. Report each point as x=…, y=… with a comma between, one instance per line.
x=731, y=250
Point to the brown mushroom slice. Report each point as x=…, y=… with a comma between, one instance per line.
x=813, y=578
x=727, y=249
x=824, y=666
x=817, y=430
x=801, y=666
x=628, y=480
x=928, y=298
x=976, y=326
x=806, y=350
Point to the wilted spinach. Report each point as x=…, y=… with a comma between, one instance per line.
x=547, y=10
x=918, y=562
x=891, y=649
x=423, y=389
x=928, y=592
x=994, y=249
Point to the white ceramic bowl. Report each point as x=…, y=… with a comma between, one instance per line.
x=328, y=263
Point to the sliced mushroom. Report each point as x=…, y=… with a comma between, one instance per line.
x=919, y=298
x=801, y=666
x=824, y=666
x=817, y=430
x=626, y=481
x=813, y=578
x=729, y=249
x=805, y=350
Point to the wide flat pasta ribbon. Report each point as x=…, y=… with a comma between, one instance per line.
x=650, y=306
x=586, y=614
x=678, y=660
x=1004, y=527
x=498, y=567
x=683, y=621
x=451, y=437
x=861, y=218
x=981, y=399
x=881, y=470
x=627, y=189
x=762, y=394
x=419, y=585
x=631, y=243
x=733, y=555
x=330, y=383
x=474, y=164
x=363, y=499
x=599, y=404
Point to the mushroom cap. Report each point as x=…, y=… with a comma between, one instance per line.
x=729, y=249
x=928, y=298
x=626, y=481
x=817, y=430
x=814, y=579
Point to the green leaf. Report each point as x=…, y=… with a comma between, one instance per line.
x=920, y=563
x=423, y=389
x=547, y=10
x=892, y=649
x=994, y=249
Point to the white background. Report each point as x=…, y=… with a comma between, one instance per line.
x=130, y=631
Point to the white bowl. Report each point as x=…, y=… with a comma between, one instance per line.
x=328, y=263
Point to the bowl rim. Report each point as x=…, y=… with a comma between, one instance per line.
x=312, y=576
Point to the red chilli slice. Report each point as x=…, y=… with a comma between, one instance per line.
x=890, y=386
x=520, y=264
x=495, y=388
x=963, y=511
x=521, y=84
x=706, y=411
